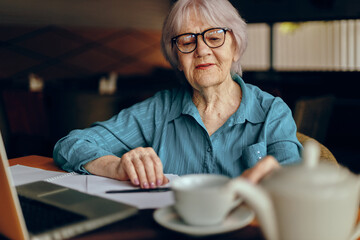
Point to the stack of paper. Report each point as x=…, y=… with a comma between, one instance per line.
x=95, y=185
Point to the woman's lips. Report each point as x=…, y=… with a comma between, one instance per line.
x=204, y=66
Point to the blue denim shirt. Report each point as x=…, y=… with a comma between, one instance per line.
x=170, y=123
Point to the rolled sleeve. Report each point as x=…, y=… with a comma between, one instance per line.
x=133, y=127
x=72, y=152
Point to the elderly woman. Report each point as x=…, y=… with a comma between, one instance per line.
x=214, y=124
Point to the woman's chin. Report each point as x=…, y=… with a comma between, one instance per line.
x=207, y=82
x=207, y=79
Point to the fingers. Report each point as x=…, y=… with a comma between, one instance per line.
x=143, y=167
x=159, y=175
x=141, y=173
x=165, y=180
x=261, y=169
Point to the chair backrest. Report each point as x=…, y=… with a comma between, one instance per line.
x=312, y=116
x=325, y=154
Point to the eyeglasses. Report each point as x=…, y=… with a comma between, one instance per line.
x=213, y=38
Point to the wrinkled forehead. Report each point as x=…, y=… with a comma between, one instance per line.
x=195, y=15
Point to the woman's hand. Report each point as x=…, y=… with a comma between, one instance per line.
x=261, y=169
x=141, y=166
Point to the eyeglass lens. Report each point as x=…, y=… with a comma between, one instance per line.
x=212, y=37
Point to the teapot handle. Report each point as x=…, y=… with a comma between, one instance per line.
x=356, y=233
x=260, y=202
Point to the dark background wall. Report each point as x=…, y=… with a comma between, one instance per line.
x=72, y=59
x=296, y=10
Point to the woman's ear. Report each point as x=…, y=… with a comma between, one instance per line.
x=235, y=49
x=236, y=56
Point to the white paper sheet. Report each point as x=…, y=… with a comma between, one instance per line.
x=23, y=174
x=96, y=185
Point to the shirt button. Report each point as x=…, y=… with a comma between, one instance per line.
x=209, y=149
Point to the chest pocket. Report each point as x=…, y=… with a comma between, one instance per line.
x=253, y=153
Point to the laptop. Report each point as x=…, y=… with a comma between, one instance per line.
x=60, y=212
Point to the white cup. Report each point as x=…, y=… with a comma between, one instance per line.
x=204, y=199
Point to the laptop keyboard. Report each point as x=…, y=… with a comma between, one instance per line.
x=40, y=217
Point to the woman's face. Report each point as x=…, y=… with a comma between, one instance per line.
x=206, y=67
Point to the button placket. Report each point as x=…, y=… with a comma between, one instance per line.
x=208, y=157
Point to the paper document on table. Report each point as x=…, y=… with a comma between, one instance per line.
x=99, y=185
x=96, y=185
x=23, y=174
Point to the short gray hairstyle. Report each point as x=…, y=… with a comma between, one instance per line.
x=217, y=13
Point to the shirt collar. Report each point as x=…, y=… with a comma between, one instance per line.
x=183, y=104
x=250, y=109
x=189, y=108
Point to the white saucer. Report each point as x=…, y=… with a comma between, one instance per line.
x=168, y=218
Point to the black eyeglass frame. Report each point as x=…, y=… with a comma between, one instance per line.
x=174, y=39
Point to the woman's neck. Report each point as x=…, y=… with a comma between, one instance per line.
x=217, y=104
x=223, y=96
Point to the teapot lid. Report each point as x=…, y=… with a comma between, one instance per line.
x=310, y=175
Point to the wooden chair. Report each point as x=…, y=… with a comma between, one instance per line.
x=325, y=154
x=312, y=116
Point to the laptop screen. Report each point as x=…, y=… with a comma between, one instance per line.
x=12, y=223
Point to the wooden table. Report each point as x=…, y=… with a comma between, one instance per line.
x=142, y=225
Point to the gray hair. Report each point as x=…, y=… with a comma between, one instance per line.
x=217, y=13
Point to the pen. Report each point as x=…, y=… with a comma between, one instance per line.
x=139, y=190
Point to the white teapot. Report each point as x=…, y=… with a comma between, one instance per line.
x=309, y=201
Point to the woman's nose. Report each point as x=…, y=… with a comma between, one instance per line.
x=202, y=49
